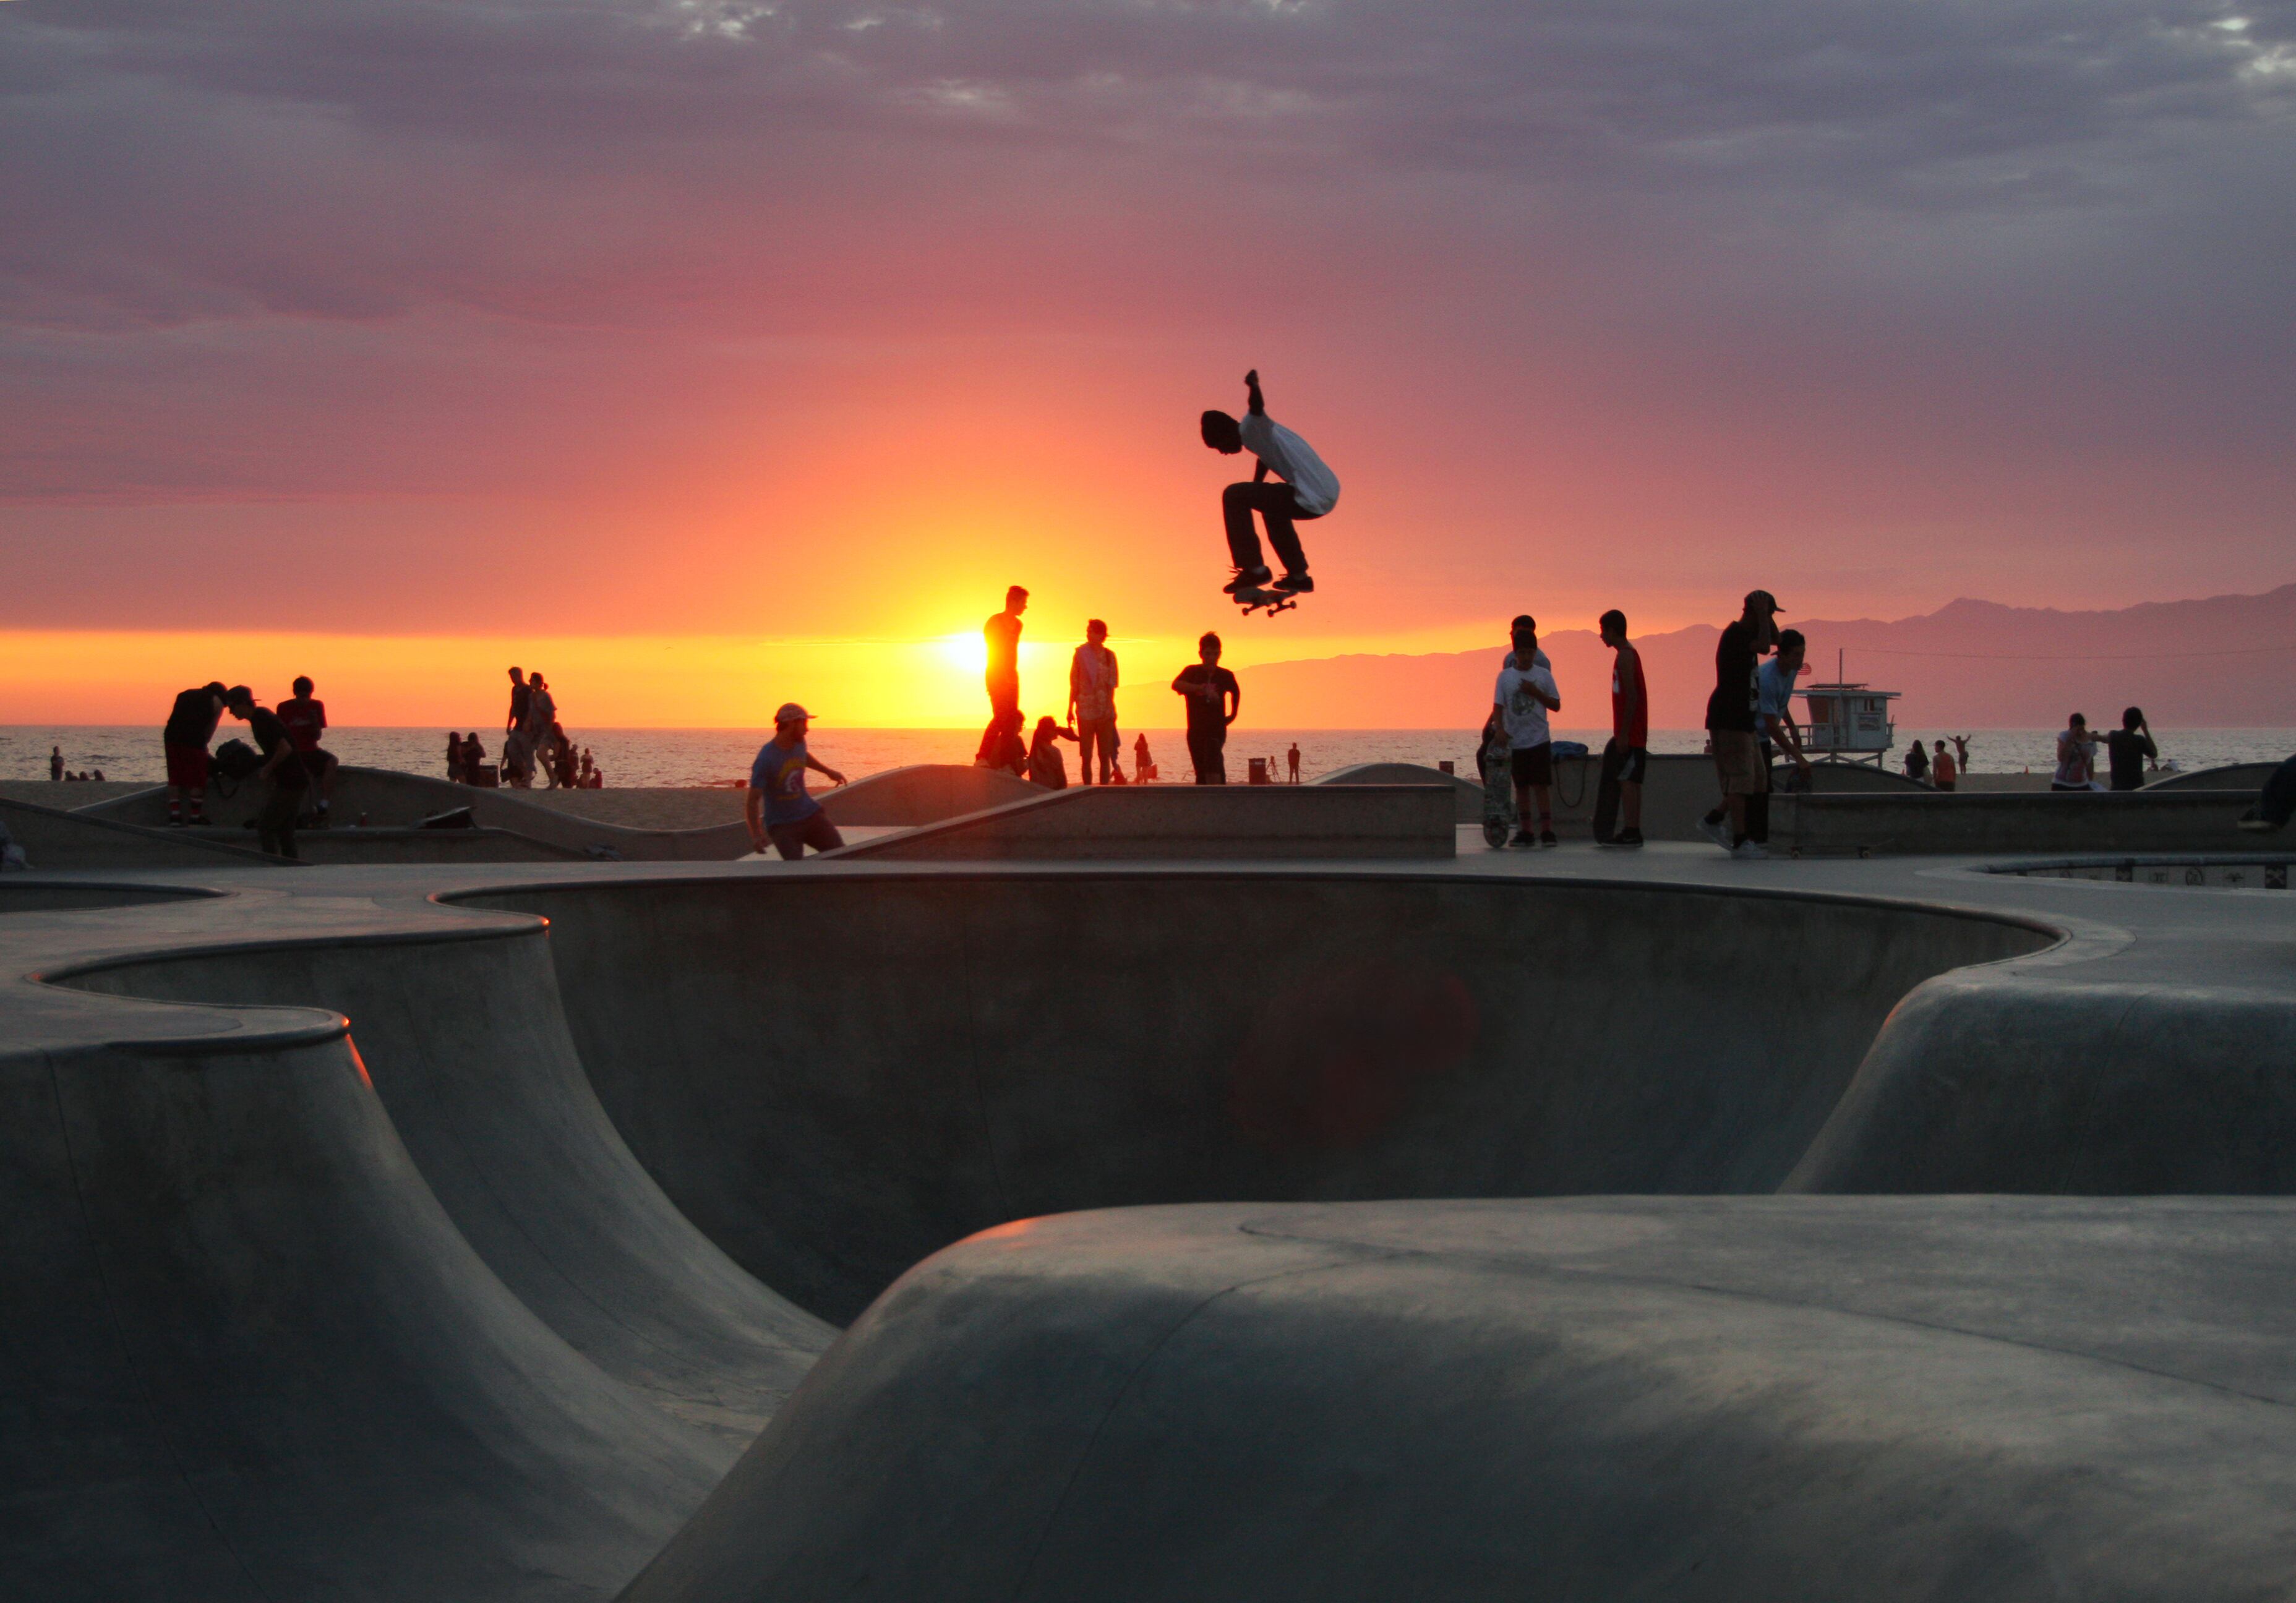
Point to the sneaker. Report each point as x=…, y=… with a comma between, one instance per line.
x=1750, y=851
x=2254, y=821
x=1546, y=837
x=1299, y=583
x=1627, y=838
x=1522, y=838
x=1717, y=830
x=1248, y=579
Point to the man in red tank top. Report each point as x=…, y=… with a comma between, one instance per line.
x=1627, y=754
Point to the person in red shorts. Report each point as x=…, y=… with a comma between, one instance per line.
x=191, y=725
x=306, y=719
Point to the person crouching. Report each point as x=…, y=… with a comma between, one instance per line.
x=283, y=774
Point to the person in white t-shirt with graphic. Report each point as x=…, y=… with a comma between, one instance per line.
x=1303, y=488
x=1525, y=696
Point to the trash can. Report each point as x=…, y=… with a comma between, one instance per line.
x=1260, y=775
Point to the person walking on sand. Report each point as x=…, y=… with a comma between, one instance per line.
x=2076, y=758
x=1730, y=723
x=1626, y=757
x=1523, y=696
x=1213, y=700
x=2127, y=749
x=1943, y=770
x=1002, y=634
x=306, y=719
x=1091, y=703
x=1304, y=489
x=283, y=773
x=191, y=727
x=776, y=807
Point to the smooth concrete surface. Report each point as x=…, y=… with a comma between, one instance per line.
x=277, y=1346
x=1262, y=822
x=1466, y=790
x=54, y=840
x=2231, y=776
x=1935, y=822
x=1974, y=1399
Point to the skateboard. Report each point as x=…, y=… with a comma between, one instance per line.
x=1499, y=790
x=1251, y=598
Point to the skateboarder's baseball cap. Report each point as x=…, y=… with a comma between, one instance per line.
x=1761, y=598
x=790, y=713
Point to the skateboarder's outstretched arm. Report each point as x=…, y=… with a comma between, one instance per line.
x=1252, y=393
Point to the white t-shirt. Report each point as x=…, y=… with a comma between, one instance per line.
x=1291, y=460
x=1525, y=714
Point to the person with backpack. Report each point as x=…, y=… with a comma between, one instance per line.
x=282, y=772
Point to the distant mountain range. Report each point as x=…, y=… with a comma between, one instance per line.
x=2228, y=662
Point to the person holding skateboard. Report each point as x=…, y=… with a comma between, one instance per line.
x=1627, y=755
x=1303, y=488
x=1525, y=694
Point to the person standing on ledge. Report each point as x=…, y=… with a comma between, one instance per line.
x=1305, y=488
x=191, y=725
x=282, y=771
x=2128, y=747
x=1524, y=697
x=1730, y=723
x=777, y=809
x=1002, y=632
x=1213, y=698
x=1091, y=703
x=1626, y=759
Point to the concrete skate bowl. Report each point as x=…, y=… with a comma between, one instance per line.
x=2247, y=871
x=834, y=1076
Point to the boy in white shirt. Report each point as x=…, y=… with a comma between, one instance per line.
x=1525, y=696
x=1305, y=488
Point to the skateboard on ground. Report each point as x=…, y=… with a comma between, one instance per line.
x=1252, y=598
x=1497, y=765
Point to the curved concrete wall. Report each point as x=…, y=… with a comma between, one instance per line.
x=836, y=1077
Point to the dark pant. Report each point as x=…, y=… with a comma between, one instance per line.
x=1004, y=722
x=790, y=839
x=2278, y=805
x=1273, y=500
x=1206, y=747
x=1621, y=764
x=274, y=826
x=1099, y=732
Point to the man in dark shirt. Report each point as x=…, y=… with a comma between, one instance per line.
x=282, y=771
x=1213, y=698
x=1730, y=723
x=306, y=719
x=521, y=696
x=1002, y=632
x=191, y=725
x=2128, y=747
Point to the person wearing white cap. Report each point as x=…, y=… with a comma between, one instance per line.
x=778, y=810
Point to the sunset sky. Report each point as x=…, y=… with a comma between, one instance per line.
x=713, y=353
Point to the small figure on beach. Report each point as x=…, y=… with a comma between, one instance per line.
x=1091, y=703
x=455, y=775
x=776, y=807
x=55, y=764
x=191, y=727
x=1304, y=489
x=1292, y=759
x=1917, y=763
x=1960, y=752
x=1143, y=767
x=1213, y=698
x=1730, y=724
x=474, y=760
x=1002, y=635
x=2129, y=748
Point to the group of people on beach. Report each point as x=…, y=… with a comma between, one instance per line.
x=59, y=774
x=534, y=741
x=286, y=760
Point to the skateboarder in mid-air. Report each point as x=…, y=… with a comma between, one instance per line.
x=1303, y=488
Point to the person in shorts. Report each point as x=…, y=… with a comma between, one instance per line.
x=306, y=719
x=1091, y=703
x=285, y=778
x=778, y=810
x=191, y=725
x=1730, y=723
x=1523, y=696
x=1626, y=757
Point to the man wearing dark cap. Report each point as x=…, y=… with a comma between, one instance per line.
x=191, y=725
x=779, y=811
x=1730, y=723
x=283, y=772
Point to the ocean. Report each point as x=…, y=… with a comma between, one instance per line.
x=706, y=757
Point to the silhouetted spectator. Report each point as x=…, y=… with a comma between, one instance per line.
x=1046, y=766
x=542, y=733
x=474, y=759
x=306, y=719
x=1293, y=757
x=1626, y=756
x=1917, y=763
x=562, y=758
x=1002, y=635
x=518, y=759
x=283, y=775
x=521, y=698
x=1730, y=723
x=776, y=806
x=454, y=757
x=2128, y=747
x=191, y=725
x=55, y=764
x=1144, y=768
x=1092, y=702
x=1943, y=770
x=1213, y=700
x=1521, y=699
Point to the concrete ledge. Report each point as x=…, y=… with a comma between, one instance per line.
x=1985, y=824
x=52, y=839
x=1257, y=821
x=1467, y=792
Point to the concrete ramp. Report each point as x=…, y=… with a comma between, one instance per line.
x=54, y=840
x=1466, y=793
x=1709, y=1402
x=1163, y=821
x=924, y=793
x=245, y=1357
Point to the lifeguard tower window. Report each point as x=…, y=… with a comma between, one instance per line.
x=1850, y=721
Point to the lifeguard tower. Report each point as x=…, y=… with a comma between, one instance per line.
x=1849, y=722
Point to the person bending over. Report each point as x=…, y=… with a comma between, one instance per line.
x=1303, y=488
